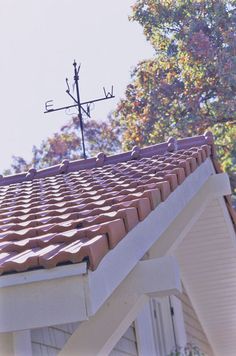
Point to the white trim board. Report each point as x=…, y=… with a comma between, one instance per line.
x=43, y=274
x=145, y=335
x=43, y=303
x=178, y=319
x=22, y=343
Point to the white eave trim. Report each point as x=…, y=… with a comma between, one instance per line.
x=43, y=274
x=43, y=303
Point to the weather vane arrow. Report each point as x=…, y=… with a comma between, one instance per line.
x=77, y=103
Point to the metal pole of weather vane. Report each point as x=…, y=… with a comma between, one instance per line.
x=78, y=104
x=76, y=79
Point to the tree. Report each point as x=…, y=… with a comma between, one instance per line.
x=66, y=144
x=190, y=84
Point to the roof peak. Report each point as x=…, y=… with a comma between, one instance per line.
x=101, y=159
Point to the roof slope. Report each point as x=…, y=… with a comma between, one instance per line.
x=79, y=210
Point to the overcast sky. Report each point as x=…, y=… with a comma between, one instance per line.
x=39, y=41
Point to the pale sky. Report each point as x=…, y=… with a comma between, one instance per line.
x=39, y=41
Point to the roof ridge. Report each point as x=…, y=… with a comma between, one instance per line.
x=101, y=159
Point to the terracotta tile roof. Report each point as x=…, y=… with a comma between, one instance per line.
x=79, y=210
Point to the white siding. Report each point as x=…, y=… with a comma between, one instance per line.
x=50, y=340
x=194, y=332
x=127, y=344
x=207, y=259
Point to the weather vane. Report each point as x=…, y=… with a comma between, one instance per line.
x=77, y=103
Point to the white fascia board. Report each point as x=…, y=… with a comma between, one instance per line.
x=123, y=258
x=43, y=303
x=43, y=275
x=42, y=297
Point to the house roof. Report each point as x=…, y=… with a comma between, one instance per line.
x=79, y=210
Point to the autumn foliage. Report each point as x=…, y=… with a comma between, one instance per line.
x=190, y=84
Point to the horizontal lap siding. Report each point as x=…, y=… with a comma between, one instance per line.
x=50, y=340
x=194, y=331
x=127, y=345
x=207, y=260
